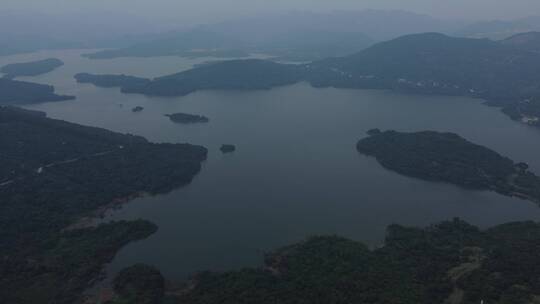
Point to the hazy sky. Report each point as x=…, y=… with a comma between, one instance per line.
x=190, y=11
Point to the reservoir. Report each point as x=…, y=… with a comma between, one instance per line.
x=295, y=172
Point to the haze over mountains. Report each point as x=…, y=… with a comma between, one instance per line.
x=300, y=35
x=500, y=29
x=27, y=31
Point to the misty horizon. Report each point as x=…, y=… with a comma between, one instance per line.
x=190, y=12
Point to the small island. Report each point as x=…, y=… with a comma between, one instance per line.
x=137, y=109
x=447, y=157
x=184, y=118
x=33, y=68
x=227, y=148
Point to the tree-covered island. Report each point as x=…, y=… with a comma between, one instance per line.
x=447, y=157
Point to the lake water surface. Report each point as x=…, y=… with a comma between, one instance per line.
x=296, y=171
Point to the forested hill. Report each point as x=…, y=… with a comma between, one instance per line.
x=436, y=63
x=53, y=173
x=506, y=74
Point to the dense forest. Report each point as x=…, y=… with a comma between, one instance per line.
x=447, y=157
x=52, y=174
x=21, y=92
x=141, y=284
x=451, y=262
x=65, y=264
x=33, y=68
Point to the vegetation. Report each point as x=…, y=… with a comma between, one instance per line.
x=137, y=109
x=423, y=63
x=33, y=68
x=66, y=263
x=509, y=271
x=141, y=284
x=526, y=111
x=437, y=64
x=446, y=157
x=184, y=118
x=21, y=92
x=451, y=260
x=434, y=63
x=53, y=173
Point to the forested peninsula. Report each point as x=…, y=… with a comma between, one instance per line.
x=52, y=174
x=15, y=92
x=33, y=68
x=447, y=157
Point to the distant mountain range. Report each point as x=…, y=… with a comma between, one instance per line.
x=24, y=32
x=500, y=29
x=379, y=25
x=294, y=36
x=289, y=37
x=529, y=41
x=312, y=36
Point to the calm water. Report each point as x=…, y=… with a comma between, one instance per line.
x=296, y=171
